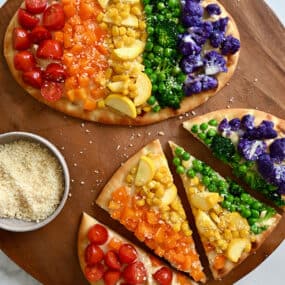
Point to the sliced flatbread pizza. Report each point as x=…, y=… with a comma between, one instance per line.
x=231, y=223
x=107, y=258
x=141, y=195
x=114, y=62
x=252, y=142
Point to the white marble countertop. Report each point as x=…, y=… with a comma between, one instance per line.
x=269, y=272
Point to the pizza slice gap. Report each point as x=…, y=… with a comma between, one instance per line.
x=231, y=223
x=106, y=257
x=251, y=142
x=141, y=195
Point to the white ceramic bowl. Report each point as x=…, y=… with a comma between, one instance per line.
x=16, y=225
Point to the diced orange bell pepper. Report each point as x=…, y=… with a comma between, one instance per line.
x=86, y=10
x=114, y=244
x=69, y=10
x=219, y=261
x=89, y=104
x=58, y=35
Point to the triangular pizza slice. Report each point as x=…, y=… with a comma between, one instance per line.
x=231, y=223
x=251, y=142
x=107, y=258
x=141, y=195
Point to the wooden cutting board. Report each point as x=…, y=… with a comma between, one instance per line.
x=49, y=254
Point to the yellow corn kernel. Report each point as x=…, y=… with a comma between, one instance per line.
x=147, y=109
x=131, y=33
x=175, y=205
x=113, y=205
x=176, y=227
x=101, y=104
x=235, y=234
x=150, y=195
x=244, y=233
x=149, y=202
x=156, y=201
x=128, y=41
x=133, y=170
x=151, y=184
x=218, y=209
x=181, y=213
x=165, y=209
x=228, y=234
x=252, y=238
x=201, y=187
x=188, y=233
x=129, y=179
x=142, y=25
x=136, y=11
x=159, y=192
x=165, y=216
x=103, y=25
x=174, y=217
x=115, y=31
x=100, y=17
x=143, y=37
x=123, y=31
x=121, y=77
x=192, y=190
x=165, y=179
x=140, y=202
x=118, y=44
x=125, y=14
x=222, y=244
x=215, y=218
x=139, y=110
x=185, y=226
x=194, y=181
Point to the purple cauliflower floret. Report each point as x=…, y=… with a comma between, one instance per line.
x=247, y=122
x=230, y=45
x=265, y=166
x=191, y=63
x=194, y=85
x=235, y=124
x=281, y=189
x=191, y=21
x=224, y=127
x=193, y=9
x=277, y=150
x=188, y=46
x=218, y=34
x=278, y=177
x=214, y=63
x=201, y=33
x=263, y=131
x=213, y=9
x=251, y=150
x=267, y=124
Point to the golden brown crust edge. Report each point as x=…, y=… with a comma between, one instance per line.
x=118, y=178
x=107, y=115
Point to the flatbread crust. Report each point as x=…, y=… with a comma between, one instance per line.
x=279, y=124
x=108, y=115
x=229, y=265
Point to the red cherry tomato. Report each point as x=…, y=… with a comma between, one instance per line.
x=135, y=273
x=94, y=273
x=127, y=253
x=21, y=39
x=163, y=276
x=51, y=49
x=53, y=91
x=26, y=19
x=93, y=253
x=36, y=6
x=53, y=18
x=33, y=78
x=24, y=61
x=39, y=33
x=55, y=72
x=111, y=277
x=98, y=234
x=112, y=260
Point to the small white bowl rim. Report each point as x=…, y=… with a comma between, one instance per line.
x=16, y=225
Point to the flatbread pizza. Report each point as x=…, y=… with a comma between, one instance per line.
x=116, y=63
x=141, y=195
x=252, y=142
x=231, y=223
x=107, y=258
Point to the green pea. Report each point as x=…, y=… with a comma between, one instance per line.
x=148, y=71
x=208, y=141
x=176, y=69
x=180, y=169
x=176, y=12
x=203, y=126
x=206, y=180
x=161, y=76
x=160, y=6
x=245, y=212
x=179, y=151
x=158, y=50
x=211, y=133
x=254, y=213
x=213, y=123
x=242, y=168
x=255, y=229
x=202, y=136
x=146, y=1
x=185, y=155
x=154, y=87
x=233, y=208
x=181, y=77
x=252, y=221
x=176, y=161
x=195, y=129
x=148, y=9
x=153, y=78
x=161, y=87
x=212, y=187
x=230, y=198
x=173, y=3
x=226, y=204
x=151, y=100
x=256, y=205
x=191, y=173
x=148, y=46
x=245, y=198
x=150, y=30
x=168, y=52
x=222, y=184
x=197, y=165
x=156, y=108
x=160, y=17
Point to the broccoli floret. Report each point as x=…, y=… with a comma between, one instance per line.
x=222, y=148
x=166, y=33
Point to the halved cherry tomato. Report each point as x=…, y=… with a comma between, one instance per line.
x=55, y=72
x=112, y=260
x=39, y=33
x=98, y=234
x=33, y=78
x=50, y=49
x=24, y=61
x=26, y=19
x=21, y=39
x=36, y=6
x=111, y=277
x=93, y=253
x=127, y=253
x=163, y=276
x=53, y=18
x=53, y=91
x=94, y=273
x=135, y=273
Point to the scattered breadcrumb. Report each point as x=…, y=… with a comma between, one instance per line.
x=81, y=152
x=75, y=164
x=161, y=133
x=149, y=133
x=255, y=79
x=69, y=194
x=72, y=180
x=228, y=106
x=131, y=145
x=82, y=125
x=138, y=134
x=82, y=182
x=228, y=83
x=87, y=131
x=90, y=142
x=118, y=147
x=180, y=117
x=62, y=147
x=96, y=171
x=193, y=113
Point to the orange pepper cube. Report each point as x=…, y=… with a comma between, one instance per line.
x=81, y=93
x=89, y=104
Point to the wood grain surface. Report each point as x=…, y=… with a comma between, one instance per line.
x=49, y=254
